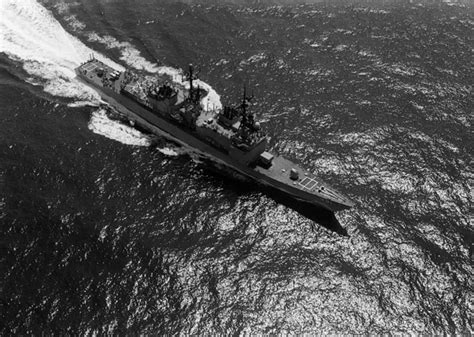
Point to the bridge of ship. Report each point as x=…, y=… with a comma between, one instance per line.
x=208, y=119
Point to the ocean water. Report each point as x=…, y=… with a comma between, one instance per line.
x=105, y=229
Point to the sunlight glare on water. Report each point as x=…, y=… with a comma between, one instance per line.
x=124, y=234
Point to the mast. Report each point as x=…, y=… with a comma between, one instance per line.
x=244, y=101
x=192, y=75
x=248, y=119
x=191, y=79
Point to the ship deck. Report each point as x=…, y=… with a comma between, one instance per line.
x=280, y=169
x=99, y=73
x=307, y=181
x=91, y=66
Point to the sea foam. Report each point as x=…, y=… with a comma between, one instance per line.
x=102, y=125
x=30, y=34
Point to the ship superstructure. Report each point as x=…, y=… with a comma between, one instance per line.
x=230, y=135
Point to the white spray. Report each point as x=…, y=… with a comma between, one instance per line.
x=30, y=34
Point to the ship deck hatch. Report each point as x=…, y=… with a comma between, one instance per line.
x=308, y=183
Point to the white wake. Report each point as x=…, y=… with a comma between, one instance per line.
x=112, y=129
x=30, y=34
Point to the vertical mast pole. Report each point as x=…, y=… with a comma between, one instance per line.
x=191, y=81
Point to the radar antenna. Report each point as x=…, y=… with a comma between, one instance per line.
x=248, y=119
x=246, y=101
x=190, y=76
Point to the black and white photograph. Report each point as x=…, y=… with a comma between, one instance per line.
x=236, y=167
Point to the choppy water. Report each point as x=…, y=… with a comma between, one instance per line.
x=126, y=234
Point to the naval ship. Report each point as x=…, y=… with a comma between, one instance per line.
x=229, y=135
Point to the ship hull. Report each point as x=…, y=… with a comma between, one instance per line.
x=158, y=125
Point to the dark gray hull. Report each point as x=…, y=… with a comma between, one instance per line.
x=158, y=125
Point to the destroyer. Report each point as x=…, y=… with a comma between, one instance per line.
x=229, y=136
